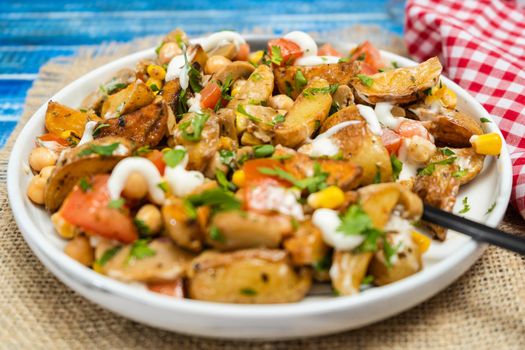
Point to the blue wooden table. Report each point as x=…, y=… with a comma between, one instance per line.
x=34, y=31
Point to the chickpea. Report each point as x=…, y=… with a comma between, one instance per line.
x=281, y=102
x=46, y=172
x=168, y=51
x=135, y=187
x=79, y=249
x=150, y=215
x=41, y=157
x=420, y=149
x=215, y=64
x=35, y=190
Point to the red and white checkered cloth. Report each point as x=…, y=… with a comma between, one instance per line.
x=481, y=43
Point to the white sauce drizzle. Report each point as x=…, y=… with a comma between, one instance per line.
x=280, y=199
x=221, y=38
x=409, y=169
x=327, y=220
x=177, y=68
x=304, y=41
x=87, y=136
x=385, y=117
x=182, y=182
x=371, y=119
x=50, y=145
x=402, y=239
x=195, y=103
x=316, y=60
x=323, y=145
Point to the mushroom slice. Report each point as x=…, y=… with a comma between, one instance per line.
x=254, y=276
x=401, y=85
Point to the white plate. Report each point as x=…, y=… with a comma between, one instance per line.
x=316, y=315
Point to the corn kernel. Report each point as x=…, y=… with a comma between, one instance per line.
x=235, y=90
x=256, y=56
x=331, y=198
x=241, y=122
x=66, y=133
x=166, y=149
x=64, y=228
x=239, y=178
x=422, y=241
x=443, y=94
x=156, y=72
x=489, y=144
x=97, y=267
x=249, y=139
x=154, y=84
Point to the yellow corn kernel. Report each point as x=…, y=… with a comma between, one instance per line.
x=166, y=149
x=489, y=144
x=256, y=56
x=156, y=72
x=249, y=139
x=442, y=94
x=66, y=133
x=241, y=122
x=97, y=267
x=154, y=84
x=331, y=198
x=64, y=228
x=236, y=90
x=239, y=178
x=422, y=241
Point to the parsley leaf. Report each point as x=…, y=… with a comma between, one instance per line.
x=194, y=75
x=489, y=210
x=324, y=90
x=248, y=291
x=196, y=125
x=447, y=151
x=216, y=234
x=484, y=120
x=343, y=60
x=223, y=181
x=242, y=110
x=279, y=118
x=262, y=151
x=323, y=264
x=217, y=198
x=225, y=94
x=143, y=150
x=275, y=56
x=366, y=80
x=84, y=184
x=397, y=166
x=460, y=173
x=116, y=203
x=377, y=176
x=313, y=184
x=300, y=80
x=394, y=64
x=466, y=206
x=163, y=186
x=355, y=221
x=182, y=103
x=367, y=280
x=173, y=157
x=140, y=250
x=108, y=255
x=98, y=128
x=141, y=226
x=361, y=57
x=189, y=209
x=103, y=150
x=227, y=157
x=430, y=168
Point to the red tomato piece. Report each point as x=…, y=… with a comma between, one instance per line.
x=244, y=52
x=409, y=128
x=52, y=137
x=89, y=211
x=367, y=53
x=328, y=50
x=210, y=95
x=290, y=51
x=170, y=288
x=391, y=140
x=254, y=177
x=366, y=69
x=157, y=158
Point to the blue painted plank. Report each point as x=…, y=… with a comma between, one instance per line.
x=28, y=59
x=6, y=128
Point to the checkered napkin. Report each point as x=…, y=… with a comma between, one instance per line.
x=482, y=46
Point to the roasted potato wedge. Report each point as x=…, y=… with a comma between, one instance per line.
x=335, y=73
x=133, y=97
x=345, y=114
x=260, y=276
x=200, y=152
x=170, y=93
x=181, y=228
x=257, y=90
x=60, y=118
x=243, y=230
x=401, y=85
x=146, y=126
x=305, y=116
x=348, y=270
x=80, y=162
x=229, y=51
x=406, y=261
x=235, y=70
x=122, y=78
x=306, y=246
x=470, y=164
x=168, y=263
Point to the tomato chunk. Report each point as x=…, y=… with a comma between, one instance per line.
x=52, y=137
x=391, y=140
x=88, y=209
x=254, y=177
x=328, y=50
x=367, y=53
x=410, y=128
x=290, y=51
x=157, y=158
x=171, y=288
x=210, y=95
x=244, y=52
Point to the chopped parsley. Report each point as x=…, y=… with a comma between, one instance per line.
x=323, y=264
x=140, y=250
x=217, y=198
x=262, y=151
x=189, y=209
x=163, y=186
x=279, y=118
x=367, y=280
x=108, y=255
x=103, y=150
x=288, y=88
x=223, y=181
x=154, y=87
x=316, y=91
x=394, y=64
x=182, y=103
x=227, y=157
x=225, y=91
x=300, y=80
x=275, y=56
x=194, y=75
x=242, y=110
x=466, y=206
x=85, y=185
x=460, y=173
x=143, y=150
x=249, y=291
x=430, y=168
x=313, y=184
x=111, y=87
x=484, y=120
x=216, y=234
x=116, y=203
x=397, y=166
x=157, y=49
x=343, y=60
x=255, y=76
x=447, y=151
x=366, y=80
x=195, y=125
x=173, y=157
x=141, y=226
x=428, y=91
x=489, y=210
x=377, y=176
x=98, y=128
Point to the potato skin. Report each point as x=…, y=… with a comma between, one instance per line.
x=72, y=167
x=133, y=97
x=348, y=270
x=454, y=129
x=306, y=246
x=258, y=88
x=60, y=118
x=254, y=276
x=184, y=231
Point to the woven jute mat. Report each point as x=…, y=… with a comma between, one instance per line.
x=484, y=309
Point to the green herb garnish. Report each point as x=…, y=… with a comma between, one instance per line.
x=242, y=110
x=366, y=80
x=394, y=64
x=222, y=180
x=275, y=56
x=466, y=206
x=489, y=210
x=143, y=150
x=323, y=264
x=262, y=151
x=108, y=255
x=249, y=291
x=217, y=198
x=196, y=125
x=484, y=120
x=447, y=151
x=343, y=60
x=367, y=280
x=460, y=173
x=430, y=168
x=173, y=157
x=189, y=209
x=98, y=128
x=141, y=226
x=103, y=150
x=227, y=157
x=84, y=184
x=116, y=203
x=313, y=184
x=163, y=186
x=225, y=91
x=316, y=91
x=300, y=80
x=397, y=166
x=279, y=118
x=361, y=57
x=216, y=234
x=377, y=176
x=140, y=250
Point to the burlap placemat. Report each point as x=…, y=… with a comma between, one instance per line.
x=484, y=309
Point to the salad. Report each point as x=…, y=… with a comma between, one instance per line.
x=217, y=173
